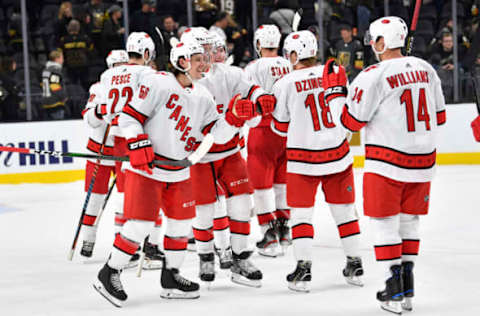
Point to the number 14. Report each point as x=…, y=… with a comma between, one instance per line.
x=422, y=112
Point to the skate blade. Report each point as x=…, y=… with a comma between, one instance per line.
x=354, y=280
x=240, y=279
x=392, y=307
x=177, y=294
x=301, y=286
x=131, y=265
x=270, y=251
x=100, y=289
x=407, y=304
x=152, y=265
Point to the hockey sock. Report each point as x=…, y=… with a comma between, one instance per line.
x=280, y=190
x=264, y=205
x=118, y=206
x=175, y=241
x=128, y=241
x=203, y=228
x=93, y=208
x=387, y=241
x=238, y=208
x=409, y=231
x=302, y=232
x=282, y=214
x=221, y=225
x=348, y=229
x=155, y=237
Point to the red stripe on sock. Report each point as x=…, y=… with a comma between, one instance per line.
x=410, y=246
x=158, y=222
x=88, y=220
x=125, y=245
x=302, y=231
x=119, y=219
x=175, y=243
x=388, y=252
x=221, y=223
x=265, y=218
x=282, y=214
x=348, y=229
x=238, y=227
x=204, y=235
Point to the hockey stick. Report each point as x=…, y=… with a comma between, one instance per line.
x=87, y=197
x=476, y=85
x=413, y=27
x=296, y=19
x=186, y=162
x=142, y=259
x=97, y=220
x=160, y=35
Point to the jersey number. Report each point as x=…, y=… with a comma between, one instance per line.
x=324, y=112
x=422, y=112
x=115, y=94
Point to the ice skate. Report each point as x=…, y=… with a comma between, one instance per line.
x=191, y=245
x=392, y=296
x=108, y=284
x=224, y=257
x=269, y=243
x=153, y=257
x=133, y=261
x=177, y=287
x=353, y=271
x=87, y=249
x=283, y=233
x=244, y=272
x=207, y=268
x=299, y=280
x=408, y=281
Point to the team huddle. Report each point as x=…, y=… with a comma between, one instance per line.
x=300, y=117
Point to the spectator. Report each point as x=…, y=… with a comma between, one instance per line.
x=76, y=48
x=283, y=16
x=145, y=20
x=113, y=31
x=237, y=41
x=54, y=95
x=221, y=23
x=349, y=52
x=364, y=13
x=98, y=14
x=9, y=90
x=65, y=15
x=169, y=30
x=205, y=13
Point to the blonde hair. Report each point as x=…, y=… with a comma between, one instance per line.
x=54, y=54
x=63, y=7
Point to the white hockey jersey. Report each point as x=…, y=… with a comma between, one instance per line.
x=400, y=102
x=265, y=72
x=224, y=82
x=316, y=141
x=96, y=125
x=120, y=84
x=175, y=119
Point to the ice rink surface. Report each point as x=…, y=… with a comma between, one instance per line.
x=37, y=223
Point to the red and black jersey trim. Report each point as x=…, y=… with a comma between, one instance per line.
x=115, y=121
x=250, y=92
x=230, y=145
x=280, y=126
x=165, y=167
x=400, y=159
x=441, y=117
x=350, y=122
x=95, y=147
x=318, y=156
x=208, y=127
x=139, y=116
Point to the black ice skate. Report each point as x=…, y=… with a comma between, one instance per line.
x=191, y=245
x=133, y=261
x=153, y=257
x=353, y=270
x=283, y=233
x=176, y=286
x=207, y=267
x=268, y=245
x=244, y=272
x=392, y=296
x=299, y=280
x=407, y=275
x=224, y=257
x=109, y=286
x=87, y=249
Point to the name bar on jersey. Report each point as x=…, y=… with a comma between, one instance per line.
x=408, y=77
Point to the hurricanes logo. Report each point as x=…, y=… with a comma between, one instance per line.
x=188, y=204
x=426, y=198
x=349, y=188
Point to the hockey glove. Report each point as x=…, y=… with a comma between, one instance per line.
x=100, y=110
x=334, y=83
x=141, y=153
x=239, y=110
x=476, y=128
x=266, y=104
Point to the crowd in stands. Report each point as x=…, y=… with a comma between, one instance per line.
x=69, y=40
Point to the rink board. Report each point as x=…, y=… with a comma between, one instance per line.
x=456, y=146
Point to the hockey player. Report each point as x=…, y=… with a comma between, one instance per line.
x=165, y=120
x=476, y=128
x=120, y=84
x=99, y=142
x=266, y=160
x=400, y=103
x=225, y=166
x=317, y=152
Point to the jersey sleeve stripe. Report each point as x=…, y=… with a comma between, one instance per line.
x=139, y=116
x=350, y=122
x=220, y=148
x=95, y=147
x=280, y=126
x=208, y=127
x=441, y=117
x=400, y=159
x=252, y=89
x=318, y=156
x=164, y=167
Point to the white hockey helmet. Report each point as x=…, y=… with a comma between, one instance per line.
x=393, y=30
x=139, y=42
x=183, y=50
x=218, y=41
x=266, y=36
x=303, y=43
x=117, y=56
x=200, y=34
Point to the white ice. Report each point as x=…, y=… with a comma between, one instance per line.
x=37, y=224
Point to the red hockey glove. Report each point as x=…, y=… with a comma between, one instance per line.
x=266, y=104
x=476, y=128
x=141, y=153
x=334, y=84
x=239, y=110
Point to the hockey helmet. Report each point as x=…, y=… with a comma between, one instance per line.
x=116, y=56
x=303, y=43
x=139, y=42
x=266, y=36
x=183, y=50
x=393, y=30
